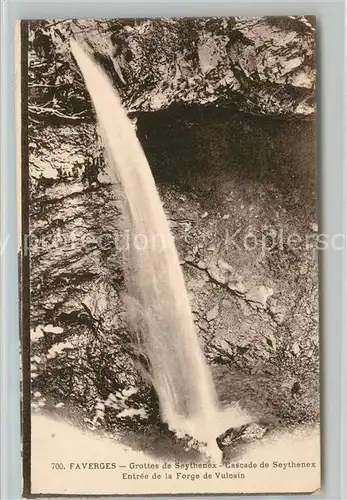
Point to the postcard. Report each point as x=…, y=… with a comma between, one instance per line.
x=167, y=190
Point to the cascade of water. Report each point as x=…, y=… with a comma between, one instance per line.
x=158, y=296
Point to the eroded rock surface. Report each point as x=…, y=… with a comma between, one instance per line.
x=253, y=294
x=239, y=191
x=261, y=65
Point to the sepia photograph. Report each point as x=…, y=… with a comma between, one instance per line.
x=169, y=255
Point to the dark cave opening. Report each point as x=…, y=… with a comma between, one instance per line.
x=203, y=149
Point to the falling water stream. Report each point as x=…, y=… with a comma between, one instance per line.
x=157, y=301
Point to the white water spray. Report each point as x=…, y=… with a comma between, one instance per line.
x=158, y=302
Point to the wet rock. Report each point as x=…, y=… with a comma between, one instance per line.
x=238, y=435
x=53, y=329
x=212, y=313
x=258, y=295
x=203, y=325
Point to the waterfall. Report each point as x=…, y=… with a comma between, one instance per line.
x=157, y=301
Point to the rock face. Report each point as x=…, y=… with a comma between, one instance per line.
x=245, y=433
x=236, y=188
x=274, y=63
x=254, y=298
x=260, y=65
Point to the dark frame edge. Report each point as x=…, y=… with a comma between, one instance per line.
x=24, y=284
